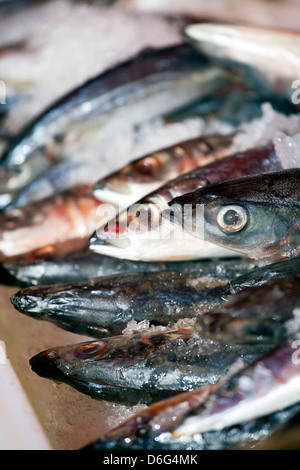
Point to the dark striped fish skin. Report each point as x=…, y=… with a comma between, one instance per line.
x=44, y=142
x=104, y=306
x=155, y=361
x=256, y=215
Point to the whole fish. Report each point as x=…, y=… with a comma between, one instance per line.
x=141, y=233
x=105, y=305
x=156, y=362
x=256, y=215
x=240, y=411
x=70, y=131
x=62, y=222
x=248, y=47
x=146, y=174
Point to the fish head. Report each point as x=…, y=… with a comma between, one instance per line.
x=255, y=215
x=136, y=179
x=18, y=167
x=20, y=228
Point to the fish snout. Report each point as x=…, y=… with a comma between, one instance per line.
x=26, y=303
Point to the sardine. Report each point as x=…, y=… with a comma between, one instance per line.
x=71, y=129
x=67, y=219
x=256, y=215
x=158, y=362
x=105, y=305
x=269, y=56
x=141, y=233
x=146, y=174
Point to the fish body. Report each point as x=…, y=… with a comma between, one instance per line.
x=142, y=233
x=157, y=362
x=71, y=129
x=30, y=230
x=81, y=264
x=105, y=305
x=269, y=56
x=266, y=312
x=256, y=215
x=269, y=384
x=240, y=411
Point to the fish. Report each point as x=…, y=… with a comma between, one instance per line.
x=143, y=232
x=248, y=48
x=144, y=175
x=72, y=265
x=242, y=410
x=67, y=135
x=104, y=305
x=158, y=362
x=63, y=222
x=255, y=215
x=261, y=313
x=269, y=384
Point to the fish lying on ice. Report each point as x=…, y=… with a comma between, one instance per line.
x=156, y=362
x=103, y=306
x=141, y=233
x=256, y=215
x=239, y=411
x=27, y=229
x=73, y=133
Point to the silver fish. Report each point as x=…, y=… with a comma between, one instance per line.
x=248, y=47
x=69, y=132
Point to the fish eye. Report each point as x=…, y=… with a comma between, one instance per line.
x=12, y=218
x=19, y=175
x=147, y=166
x=232, y=218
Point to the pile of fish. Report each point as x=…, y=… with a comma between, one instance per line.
x=179, y=258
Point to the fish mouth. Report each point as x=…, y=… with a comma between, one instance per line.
x=26, y=303
x=44, y=365
x=102, y=239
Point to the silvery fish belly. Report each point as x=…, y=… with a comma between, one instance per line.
x=75, y=131
x=158, y=362
x=141, y=233
x=269, y=56
x=256, y=215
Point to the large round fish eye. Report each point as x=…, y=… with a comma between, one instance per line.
x=232, y=218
